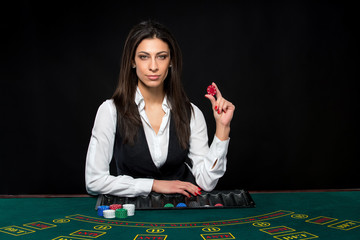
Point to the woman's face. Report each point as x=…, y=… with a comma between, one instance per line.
x=152, y=60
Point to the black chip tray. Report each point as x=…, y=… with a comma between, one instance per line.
x=226, y=199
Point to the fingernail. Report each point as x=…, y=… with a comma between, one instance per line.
x=215, y=107
x=219, y=111
x=199, y=193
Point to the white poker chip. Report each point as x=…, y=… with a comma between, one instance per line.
x=109, y=213
x=130, y=209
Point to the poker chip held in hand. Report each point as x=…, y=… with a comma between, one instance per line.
x=211, y=90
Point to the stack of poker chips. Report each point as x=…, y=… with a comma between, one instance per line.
x=100, y=210
x=109, y=213
x=181, y=205
x=116, y=210
x=130, y=209
x=194, y=204
x=115, y=206
x=121, y=213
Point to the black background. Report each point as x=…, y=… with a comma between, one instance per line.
x=289, y=67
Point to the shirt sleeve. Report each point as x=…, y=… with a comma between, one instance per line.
x=97, y=169
x=209, y=163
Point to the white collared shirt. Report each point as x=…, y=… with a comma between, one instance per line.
x=158, y=143
x=97, y=175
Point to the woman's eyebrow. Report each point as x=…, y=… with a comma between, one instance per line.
x=143, y=52
x=162, y=52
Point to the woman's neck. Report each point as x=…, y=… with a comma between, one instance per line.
x=152, y=95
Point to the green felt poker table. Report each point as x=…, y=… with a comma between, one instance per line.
x=277, y=215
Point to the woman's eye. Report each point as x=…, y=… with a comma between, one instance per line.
x=162, y=57
x=143, y=57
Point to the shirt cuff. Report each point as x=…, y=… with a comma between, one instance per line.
x=219, y=148
x=143, y=186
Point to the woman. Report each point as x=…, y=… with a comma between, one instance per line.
x=150, y=130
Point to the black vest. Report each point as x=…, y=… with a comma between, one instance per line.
x=135, y=160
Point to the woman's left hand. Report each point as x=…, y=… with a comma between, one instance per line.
x=223, y=110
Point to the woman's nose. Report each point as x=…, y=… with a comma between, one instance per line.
x=153, y=66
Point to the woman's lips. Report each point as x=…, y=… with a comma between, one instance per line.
x=153, y=77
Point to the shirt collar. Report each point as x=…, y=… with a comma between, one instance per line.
x=139, y=100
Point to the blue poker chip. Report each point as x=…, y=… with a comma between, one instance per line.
x=181, y=205
x=100, y=210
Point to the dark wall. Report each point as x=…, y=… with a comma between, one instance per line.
x=290, y=69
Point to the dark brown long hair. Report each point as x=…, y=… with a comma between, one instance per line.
x=124, y=96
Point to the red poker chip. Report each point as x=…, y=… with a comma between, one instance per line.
x=115, y=206
x=211, y=90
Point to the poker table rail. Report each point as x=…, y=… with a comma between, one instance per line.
x=250, y=192
x=80, y=195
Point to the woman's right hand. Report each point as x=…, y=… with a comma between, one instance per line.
x=223, y=113
x=175, y=186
